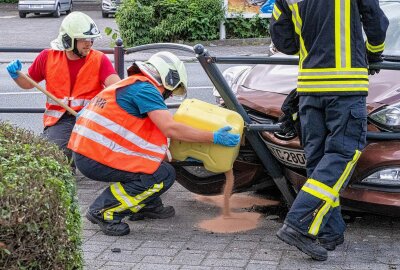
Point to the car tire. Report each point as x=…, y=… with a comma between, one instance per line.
x=57, y=13
x=22, y=14
x=70, y=9
x=104, y=15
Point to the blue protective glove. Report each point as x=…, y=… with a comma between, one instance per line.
x=13, y=67
x=223, y=137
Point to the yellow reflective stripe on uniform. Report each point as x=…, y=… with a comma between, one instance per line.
x=298, y=23
x=332, y=89
x=349, y=167
x=375, y=49
x=276, y=12
x=129, y=202
x=342, y=34
x=316, y=224
x=321, y=191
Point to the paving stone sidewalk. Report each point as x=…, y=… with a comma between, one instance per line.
x=371, y=242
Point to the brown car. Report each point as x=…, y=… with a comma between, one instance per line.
x=261, y=90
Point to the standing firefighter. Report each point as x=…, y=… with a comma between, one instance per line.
x=73, y=71
x=121, y=137
x=332, y=88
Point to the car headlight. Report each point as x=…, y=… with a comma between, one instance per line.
x=384, y=177
x=387, y=118
x=234, y=77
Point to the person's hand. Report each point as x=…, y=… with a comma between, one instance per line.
x=13, y=67
x=373, y=58
x=223, y=137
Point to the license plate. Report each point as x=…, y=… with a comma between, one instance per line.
x=36, y=6
x=288, y=156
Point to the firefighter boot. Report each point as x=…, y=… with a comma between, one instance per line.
x=158, y=212
x=331, y=244
x=112, y=227
x=304, y=243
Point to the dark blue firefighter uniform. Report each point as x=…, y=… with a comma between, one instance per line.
x=334, y=133
x=332, y=86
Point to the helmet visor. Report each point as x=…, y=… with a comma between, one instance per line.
x=180, y=92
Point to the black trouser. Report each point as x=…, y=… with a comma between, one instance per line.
x=130, y=192
x=61, y=132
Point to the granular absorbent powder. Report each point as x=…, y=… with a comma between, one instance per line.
x=228, y=221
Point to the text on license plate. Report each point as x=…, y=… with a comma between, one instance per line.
x=291, y=157
x=36, y=6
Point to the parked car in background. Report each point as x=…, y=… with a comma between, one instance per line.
x=54, y=7
x=261, y=90
x=109, y=7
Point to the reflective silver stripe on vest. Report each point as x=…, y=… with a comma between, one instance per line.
x=52, y=102
x=343, y=54
x=332, y=86
x=123, y=132
x=53, y=113
x=291, y=2
x=110, y=144
x=79, y=102
x=321, y=191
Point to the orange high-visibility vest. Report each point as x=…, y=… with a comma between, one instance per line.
x=109, y=135
x=87, y=84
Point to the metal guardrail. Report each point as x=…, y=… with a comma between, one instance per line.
x=208, y=63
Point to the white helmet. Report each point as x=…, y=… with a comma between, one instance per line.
x=75, y=25
x=167, y=70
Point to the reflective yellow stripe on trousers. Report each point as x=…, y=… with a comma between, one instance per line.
x=327, y=194
x=132, y=203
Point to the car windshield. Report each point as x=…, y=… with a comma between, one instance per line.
x=392, y=42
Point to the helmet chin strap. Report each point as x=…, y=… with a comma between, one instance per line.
x=75, y=50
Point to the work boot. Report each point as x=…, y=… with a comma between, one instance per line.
x=331, y=244
x=304, y=243
x=158, y=212
x=112, y=227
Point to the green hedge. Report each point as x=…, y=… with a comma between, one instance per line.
x=240, y=27
x=40, y=224
x=9, y=1
x=149, y=21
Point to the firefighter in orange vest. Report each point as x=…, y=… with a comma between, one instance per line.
x=121, y=137
x=73, y=72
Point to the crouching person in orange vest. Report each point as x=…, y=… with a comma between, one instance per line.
x=121, y=137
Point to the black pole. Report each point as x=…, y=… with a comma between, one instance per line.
x=119, y=60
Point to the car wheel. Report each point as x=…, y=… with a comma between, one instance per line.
x=22, y=14
x=104, y=15
x=57, y=13
x=69, y=10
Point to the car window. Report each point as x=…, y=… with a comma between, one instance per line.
x=392, y=43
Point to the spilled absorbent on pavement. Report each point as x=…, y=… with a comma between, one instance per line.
x=231, y=221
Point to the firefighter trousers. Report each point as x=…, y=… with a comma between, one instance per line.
x=334, y=133
x=129, y=192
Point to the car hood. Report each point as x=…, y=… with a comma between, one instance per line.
x=266, y=87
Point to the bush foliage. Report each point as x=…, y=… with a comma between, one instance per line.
x=40, y=223
x=148, y=21
x=9, y=1
x=240, y=27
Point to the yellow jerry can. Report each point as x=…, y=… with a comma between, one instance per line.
x=202, y=115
